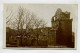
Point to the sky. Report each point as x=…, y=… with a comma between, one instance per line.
x=46, y=11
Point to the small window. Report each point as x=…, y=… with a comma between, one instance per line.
x=54, y=18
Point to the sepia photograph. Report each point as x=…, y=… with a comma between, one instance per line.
x=40, y=25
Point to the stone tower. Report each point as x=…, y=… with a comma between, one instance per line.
x=62, y=25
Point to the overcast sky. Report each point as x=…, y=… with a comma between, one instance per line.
x=46, y=11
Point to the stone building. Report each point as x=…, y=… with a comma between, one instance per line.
x=62, y=28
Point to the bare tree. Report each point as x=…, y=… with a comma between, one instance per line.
x=27, y=20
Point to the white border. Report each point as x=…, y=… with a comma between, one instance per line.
x=38, y=1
